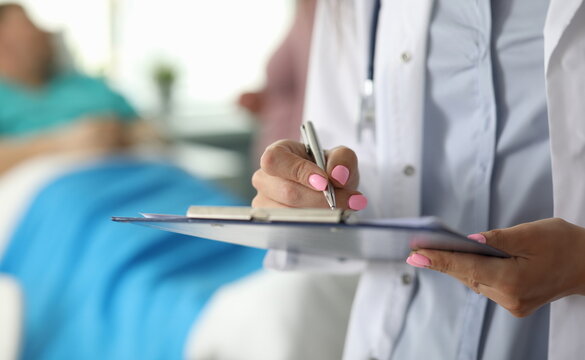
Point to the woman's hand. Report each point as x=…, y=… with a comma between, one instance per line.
x=102, y=135
x=547, y=264
x=289, y=178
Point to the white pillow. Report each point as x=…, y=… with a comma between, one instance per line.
x=10, y=318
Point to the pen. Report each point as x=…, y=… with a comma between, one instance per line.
x=314, y=149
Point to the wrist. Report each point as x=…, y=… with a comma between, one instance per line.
x=580, y=250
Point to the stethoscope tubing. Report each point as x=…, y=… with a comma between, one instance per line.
x=373, y=35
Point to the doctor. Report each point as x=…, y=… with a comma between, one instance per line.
x=547, y=256
x=460, y=132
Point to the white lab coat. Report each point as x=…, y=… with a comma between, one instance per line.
x=390, y=164
x=565, y=75
x=337, y=71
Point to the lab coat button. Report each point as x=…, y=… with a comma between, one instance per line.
x=406, y=57
x=408, y=170
x=406, y=279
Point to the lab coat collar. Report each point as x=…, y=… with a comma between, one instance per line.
x=560, y=15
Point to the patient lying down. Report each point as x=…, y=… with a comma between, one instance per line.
x=44, y=110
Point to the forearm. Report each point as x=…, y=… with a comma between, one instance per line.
x=95, y=136
x=13, y=152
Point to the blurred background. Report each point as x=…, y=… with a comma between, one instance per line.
x=182, y=65
x=103, y=106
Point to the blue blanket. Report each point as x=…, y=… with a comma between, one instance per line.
x=95, y=289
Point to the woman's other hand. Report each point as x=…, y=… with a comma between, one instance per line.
x=289, y=178
x=546, y=264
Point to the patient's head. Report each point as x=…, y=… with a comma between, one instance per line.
x=26, y=51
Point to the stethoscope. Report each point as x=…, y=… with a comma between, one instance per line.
x=367, y=116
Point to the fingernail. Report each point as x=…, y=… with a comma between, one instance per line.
x=418, y=260
x=410, y=262
x=340, y=173
x=358, y=202
x=478, y=237
x=318, y=182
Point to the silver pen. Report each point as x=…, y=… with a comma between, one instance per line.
x=314, y=149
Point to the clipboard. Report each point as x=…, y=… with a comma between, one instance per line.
x=333, y=233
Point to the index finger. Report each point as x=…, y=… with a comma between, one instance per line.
x=480, y=269
x=289, y=160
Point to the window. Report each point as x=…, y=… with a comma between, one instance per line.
x=219, y=47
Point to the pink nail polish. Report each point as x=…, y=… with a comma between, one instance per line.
x=318, y=182
x=358, y=202
x=411, y=262
x=478, y=237
x=420, y=260
x=340, y=173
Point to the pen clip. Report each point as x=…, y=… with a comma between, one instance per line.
x=306, y=140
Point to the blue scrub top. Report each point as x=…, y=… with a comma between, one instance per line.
x=67, y=97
